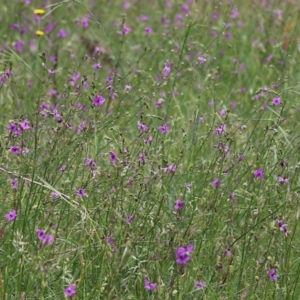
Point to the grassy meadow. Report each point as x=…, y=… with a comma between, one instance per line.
x=149, y=149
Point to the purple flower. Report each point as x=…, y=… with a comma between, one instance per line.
x=276, y=101
x=178, y=205
x=125, y=30
x=216, y=183
x=170, y=169
x=201, y=60
x=14, y=183
x=282, y=180
x=149, y=286
x=272, y=274
x=62, y=33
x=81, y=193
x=98, y=100
x=183, y=254
x=97, y=66
x=199, y=284
x=141, y=126
x=148, y=30
x=70, y=290
x=112, y=157
x=25, y=125
x=15, y=150
x=167, y=70
x=258, y=173
x=129, y=219
x=90, y=163
x=164, y=128
x=18, y=46
x=148, y=140
x=46, y=239
x=128, y=87
x=282, y=227
x=11, y=215
x=221, y=129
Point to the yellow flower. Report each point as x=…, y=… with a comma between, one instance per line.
x=39, y=32
x=39, y=11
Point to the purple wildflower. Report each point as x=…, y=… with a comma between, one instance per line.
x=178, y=205
x=201, y=59
x=199, y=284
x=149, y=286
x=14, y=183
x=183, y=254
x=125, y=30
x=97, y=66
x=282, y=227
x=272, y=274
x=148, y=140
x=276, y=101
x=81, y=193
x=167, y=70
x=129, y=219
x=112, y=157
x=282, y=180
x=258, y=173
x=46, y=239
x=148, y=30
x=25, y=125
x=170, y=169
x=11, y=215
x=15, y=150
x=98, y=100
x=221, y=129
x=164, y=128
x=216, y=183
x=70, y=290
x=142, y=127
x=62, y=33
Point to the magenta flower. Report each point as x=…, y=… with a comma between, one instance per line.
x=128, y=87
x=90, y=163
x=178, y=205
x=282, y=180
x=169, y=169
x=125, y=30
x=201, y=59
x=70, y=290
x=81, y=193
x=167, y=70
x=14, y=183
x=142, y=127
x=25, y=125
x=148, y=30
x=183, y=254
x=46, y=239
x=221, y=129
x=62, y=33
x=163, y=129
x=11, y=215
x=112, y=157
x=258, y=174
x=98, y=100
x=272, y=274
x=276, y=101
x=216, y=183
x=149, y=286
x=148, y=140
x=97, y=66
x=15, y=150
x=129, y=219
x=282, y=227
x=199, y=284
